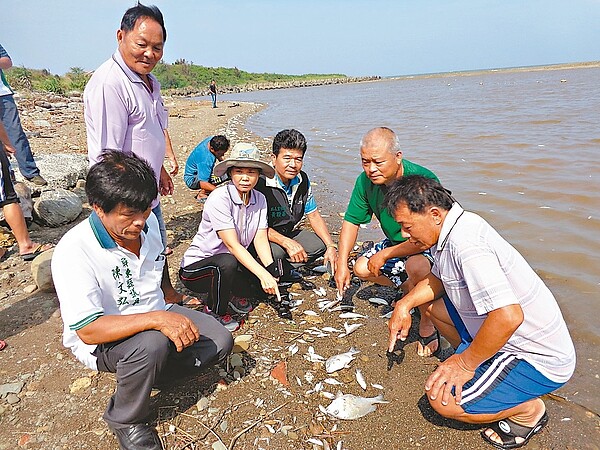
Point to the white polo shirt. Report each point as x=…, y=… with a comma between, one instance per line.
x=482, y=272
x=94, y=276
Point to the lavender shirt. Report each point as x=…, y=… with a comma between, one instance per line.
x=224, y=210
x=121, y=113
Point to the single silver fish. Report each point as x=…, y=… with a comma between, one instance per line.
x=352, y=315
x=350, y=328
x=360, y=379
x=378, y=301
x=350, y=407
x=341, y=361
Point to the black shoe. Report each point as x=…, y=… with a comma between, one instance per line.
x=137, y=437
x=293, y=276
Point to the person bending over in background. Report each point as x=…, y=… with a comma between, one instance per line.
x=199, y=165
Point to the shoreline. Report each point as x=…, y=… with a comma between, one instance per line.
x=56, y=385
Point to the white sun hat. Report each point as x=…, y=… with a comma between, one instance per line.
x=244, y=154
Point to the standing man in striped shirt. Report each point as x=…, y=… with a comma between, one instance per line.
x=512, y=343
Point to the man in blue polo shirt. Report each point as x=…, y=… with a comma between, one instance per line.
x=199, y=165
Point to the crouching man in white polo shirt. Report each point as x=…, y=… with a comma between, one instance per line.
x=108, y=273
x=512, y=344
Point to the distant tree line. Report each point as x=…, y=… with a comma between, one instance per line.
x=179, y=75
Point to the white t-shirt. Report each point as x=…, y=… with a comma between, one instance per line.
x=93, y=276
x=482, y=272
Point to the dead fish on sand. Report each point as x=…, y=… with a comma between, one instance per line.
x=341, y=361
x=378, y=301
x=352, y=316
x=312, y=356
x=360, y=379
x=350, y=407
x=350, y=328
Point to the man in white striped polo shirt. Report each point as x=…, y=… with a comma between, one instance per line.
x=512, y=344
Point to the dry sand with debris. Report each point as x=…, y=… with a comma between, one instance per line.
x=243, y=406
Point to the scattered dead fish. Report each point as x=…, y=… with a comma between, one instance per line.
x=378, y=301
x=352, y=316
x=360, y=379
x=332, y=381
x=377, y=386
x=310, y=312
x=293, y=349
x=340, y=361
x=350, y=407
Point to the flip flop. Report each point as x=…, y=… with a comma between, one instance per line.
x=38, y=251
x=424, y=341
x=2, y=344
x=508, y=431
x=189, y=300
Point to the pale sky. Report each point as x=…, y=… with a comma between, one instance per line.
x=353, y=37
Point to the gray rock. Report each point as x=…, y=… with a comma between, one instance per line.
x=11, y=388
x=11, y=399
x=41, y=273
x=58, y=207
x=61, y=170
x=42, y=123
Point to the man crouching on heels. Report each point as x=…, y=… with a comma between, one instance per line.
x=512, y=344
x=108, y=272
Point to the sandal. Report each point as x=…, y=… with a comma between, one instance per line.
x=424, y=341
x=509, y=431
x=2, y=344
x=36, y=252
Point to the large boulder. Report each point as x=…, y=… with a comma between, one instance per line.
x=61, y=170
x=41, y=272
x=57, y=207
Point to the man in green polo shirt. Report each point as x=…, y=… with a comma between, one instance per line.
x=394, y=261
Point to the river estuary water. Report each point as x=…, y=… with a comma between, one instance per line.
x=522, y=149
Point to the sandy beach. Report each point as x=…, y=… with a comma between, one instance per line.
x=244, y=405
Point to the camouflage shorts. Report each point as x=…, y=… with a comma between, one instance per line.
x=394, y=268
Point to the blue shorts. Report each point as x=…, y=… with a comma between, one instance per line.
x=394, y=268
x=501, y=382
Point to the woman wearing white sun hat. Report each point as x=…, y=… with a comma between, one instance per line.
x=234, y=216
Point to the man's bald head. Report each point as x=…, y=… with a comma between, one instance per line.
x=381, y=137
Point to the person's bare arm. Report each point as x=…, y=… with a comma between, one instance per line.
x=8, y=147
x=347, y=239
x=230, y=239
x=293, y=248
x=110, y=328
x=171, y=154
x=401, y=250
